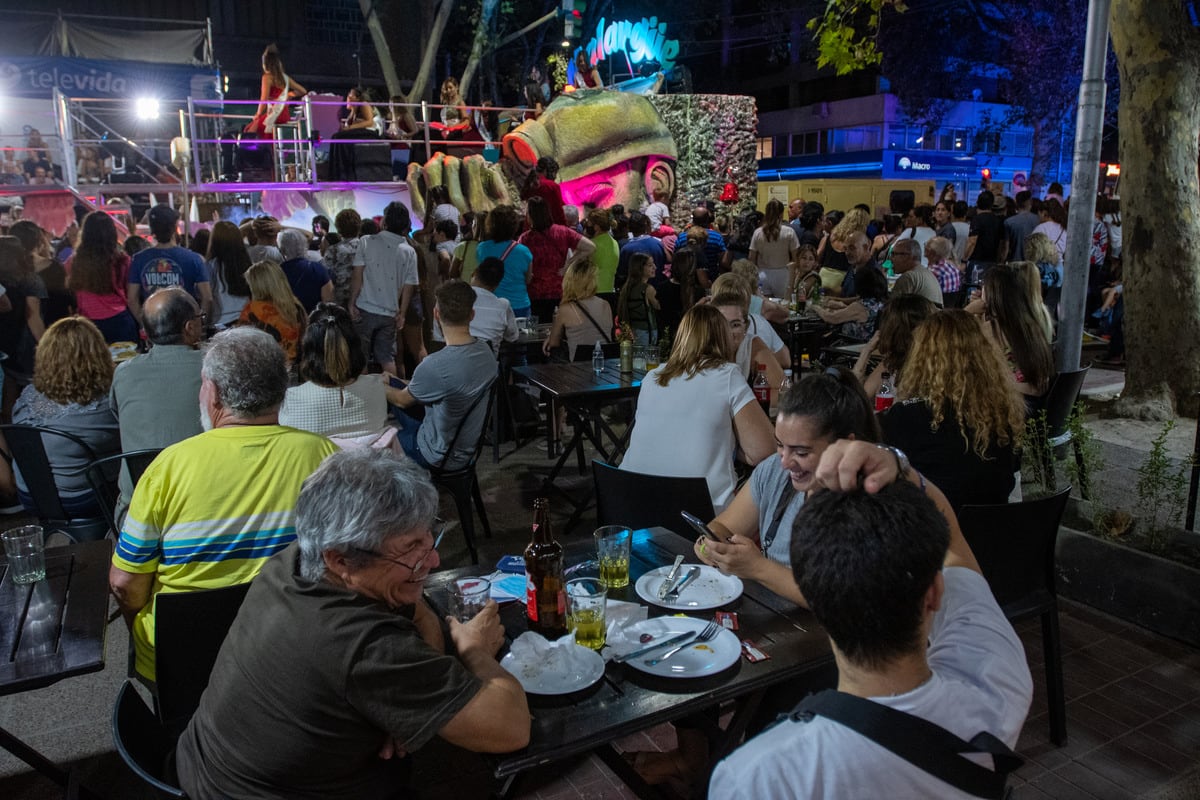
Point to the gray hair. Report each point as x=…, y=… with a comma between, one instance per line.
x=249, y=370
x=941, y=247
x=292, y=244
x=571, y=214
x=165, y=321
x=356, y=500
x=910, y=246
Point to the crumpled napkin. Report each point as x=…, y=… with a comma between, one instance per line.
x=621, y=616
x=534, y=655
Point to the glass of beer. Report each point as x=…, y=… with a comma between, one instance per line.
x=585, y=611
x=612, y=550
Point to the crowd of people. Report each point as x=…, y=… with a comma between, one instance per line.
x=345, y=362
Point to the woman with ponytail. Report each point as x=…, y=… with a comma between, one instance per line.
x=336, y=399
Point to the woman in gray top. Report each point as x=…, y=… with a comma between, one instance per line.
x=71, y=377
x=757, y=526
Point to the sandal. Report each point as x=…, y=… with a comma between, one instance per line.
x=661, y=769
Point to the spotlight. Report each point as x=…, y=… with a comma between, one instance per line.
x=146, y=108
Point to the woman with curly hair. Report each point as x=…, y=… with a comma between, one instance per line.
x=892, y=341
x=958, y=415
x=272, y=307
x=71, y=378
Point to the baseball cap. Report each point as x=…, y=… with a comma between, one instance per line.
x=162, y=214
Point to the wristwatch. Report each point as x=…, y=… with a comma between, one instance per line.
x=904, y=466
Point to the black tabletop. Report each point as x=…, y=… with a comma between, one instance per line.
x=55, y=628
x=626, y=700
x=578, y=379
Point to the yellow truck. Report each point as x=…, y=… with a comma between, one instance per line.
x=845, y=193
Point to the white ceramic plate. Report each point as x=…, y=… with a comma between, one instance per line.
x=535, y=679
x=710, y=589
x=693, y=661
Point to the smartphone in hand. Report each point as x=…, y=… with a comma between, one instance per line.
x=699, y=526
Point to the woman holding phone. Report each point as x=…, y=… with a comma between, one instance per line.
x=755, y=529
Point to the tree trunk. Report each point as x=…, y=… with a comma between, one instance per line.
x=483, y=32
x=432, y=43
x=381, y=47
x=1159, y=118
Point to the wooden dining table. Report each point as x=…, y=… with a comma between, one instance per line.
x=53, y=629
x=626, y=700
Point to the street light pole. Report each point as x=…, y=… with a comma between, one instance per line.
x=1085, y=178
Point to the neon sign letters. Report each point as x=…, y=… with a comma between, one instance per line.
x=642, y=41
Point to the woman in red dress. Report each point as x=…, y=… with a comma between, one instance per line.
x=586, y=76
x=277, y=89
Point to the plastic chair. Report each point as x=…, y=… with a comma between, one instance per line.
x=646, y=501
x=189, y=629
x=107, y=493
x=1014, y=544
x=29, y=454
x=1058, y=402
x=463, y=483
x=141, y=741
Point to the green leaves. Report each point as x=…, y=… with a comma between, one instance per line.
x=847, y=33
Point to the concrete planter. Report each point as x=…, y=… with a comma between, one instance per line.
x=1147, y=590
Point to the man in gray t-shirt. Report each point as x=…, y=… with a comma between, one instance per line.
x=451, y=384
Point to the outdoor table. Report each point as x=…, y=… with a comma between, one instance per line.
x=53, y=629
x=625, y=700
x=576, y=387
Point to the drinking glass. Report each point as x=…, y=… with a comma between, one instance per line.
x=639, y=357
x=612, y=550
x=651, y=357
x=468, y=596
x=585, y=611
x=25, y=549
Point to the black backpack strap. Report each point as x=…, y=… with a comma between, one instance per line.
x=922, y=743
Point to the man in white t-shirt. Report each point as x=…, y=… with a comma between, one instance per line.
x=494, y=321
x=913, y=626
x=382, y=285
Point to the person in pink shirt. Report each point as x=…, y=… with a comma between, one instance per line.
x=555, y=247
x=542, y=183
x=97, y=273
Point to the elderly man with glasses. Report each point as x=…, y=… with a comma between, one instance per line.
x=336, y=668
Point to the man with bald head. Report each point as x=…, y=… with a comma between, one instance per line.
x=794, y=210
x=858, y=254
x=915, y=278
x=156, y=396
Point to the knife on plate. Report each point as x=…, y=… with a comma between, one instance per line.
x=670, y=579
x=665, y=643
x=673, y=595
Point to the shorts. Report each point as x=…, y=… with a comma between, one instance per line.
x=378, y=334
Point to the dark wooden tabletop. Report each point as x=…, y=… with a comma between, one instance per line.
x=625, y=700
x=577, y=379
x=55, y=628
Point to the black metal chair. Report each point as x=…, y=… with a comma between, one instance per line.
x=29, y=454
x=463, y=483
x=1058, y=403
x=189, y=629
x=142, y=742
x=107, y=493
x=1014, y=544
x=645, y=501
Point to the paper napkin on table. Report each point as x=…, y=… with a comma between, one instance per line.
x=621, y=616
x=533, y=654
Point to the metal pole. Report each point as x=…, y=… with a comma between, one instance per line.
x=1085, y=179
x=425, y=126
x=1194, y=486
x=197, y=173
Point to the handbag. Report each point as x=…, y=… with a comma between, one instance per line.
x=922, y=743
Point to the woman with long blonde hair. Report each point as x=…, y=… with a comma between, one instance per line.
x=273, y=307
x=959, y=416
x=583, y=317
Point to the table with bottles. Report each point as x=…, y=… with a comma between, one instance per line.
x=626, y=700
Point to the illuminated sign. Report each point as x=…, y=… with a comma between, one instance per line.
x=905, y=163
x=641, y=41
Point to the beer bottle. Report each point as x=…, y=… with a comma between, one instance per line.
x=545, y=600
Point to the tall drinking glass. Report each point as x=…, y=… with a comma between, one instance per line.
x=468, y=596
x=586, y=598
x=612, y=550
x=25, y=549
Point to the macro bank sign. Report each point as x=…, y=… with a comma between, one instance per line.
x=38, y=77
x=917, y=165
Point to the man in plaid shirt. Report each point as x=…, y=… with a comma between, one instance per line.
x=937, y=250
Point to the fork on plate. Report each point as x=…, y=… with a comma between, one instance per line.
x=710, y=631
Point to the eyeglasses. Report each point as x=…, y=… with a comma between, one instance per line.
x=438, y=525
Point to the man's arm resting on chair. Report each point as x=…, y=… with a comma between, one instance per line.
x=132, y=590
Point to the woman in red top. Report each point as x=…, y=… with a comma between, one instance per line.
x=541, y=183
x=550, y=244
x=97, y=272
x=277, y=89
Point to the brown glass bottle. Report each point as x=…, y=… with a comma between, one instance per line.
x=545, y=600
